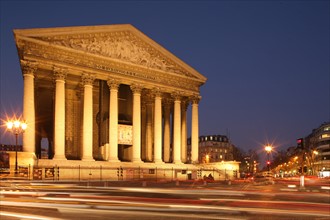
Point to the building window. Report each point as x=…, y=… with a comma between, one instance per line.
x=325, y=136
x=326, y=150
x=326, y=129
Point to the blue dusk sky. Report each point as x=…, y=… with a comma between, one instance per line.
x=267, y=62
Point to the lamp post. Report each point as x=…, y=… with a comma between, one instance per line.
x=314, y=155
x=268, y=149
x=17, y=127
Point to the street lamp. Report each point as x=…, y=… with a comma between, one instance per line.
x=17, y=127
x=207, y=158
x=268, y=149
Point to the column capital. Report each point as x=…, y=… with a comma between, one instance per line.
x=136, y=88
x=157, y=92
x=29, y=67
x=195, y=99
x=87, y=79
x=60, y=73
x=177, y=96
x=113, y=83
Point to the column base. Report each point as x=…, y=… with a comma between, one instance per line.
x=159, y=161
x=178, y=162
x=114, y=160
x=87, y=159
x=59, y=157
x=137, y=161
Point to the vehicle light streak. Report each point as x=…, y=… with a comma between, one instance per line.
x=39, y=205
x=182, y=207
x=23, y=216
x=164, y=213
x=265, y=201
x=185, y=192
x=100, y=201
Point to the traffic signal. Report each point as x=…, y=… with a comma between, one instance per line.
x=300, y=143
x=268, y=162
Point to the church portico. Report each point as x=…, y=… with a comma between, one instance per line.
x=106, y=94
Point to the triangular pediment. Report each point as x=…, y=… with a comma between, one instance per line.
x=124, y=43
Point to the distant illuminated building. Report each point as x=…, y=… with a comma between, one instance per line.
x=214, y=148
x=7, y=147
x=4, y=154
x=318, y=143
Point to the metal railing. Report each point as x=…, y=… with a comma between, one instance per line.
x=99, y=173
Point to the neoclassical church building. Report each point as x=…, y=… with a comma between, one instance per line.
x=106, y=93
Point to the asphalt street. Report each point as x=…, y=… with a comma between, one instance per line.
x=163, y=200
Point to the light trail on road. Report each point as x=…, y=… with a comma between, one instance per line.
x=71, y=201
x=216, y=206
x=25, y=216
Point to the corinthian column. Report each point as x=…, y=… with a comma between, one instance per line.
x=87, y=80
x=136, y=123
x=158, y=128
x=167, y=135
x=59, y=128
x=184, y=106
x=149, y=127
x=29, y=135
x=177, y=130
x=143, y=129
x=194, y=129
x=113, y=120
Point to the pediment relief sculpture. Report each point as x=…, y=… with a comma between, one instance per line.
x=123, y=46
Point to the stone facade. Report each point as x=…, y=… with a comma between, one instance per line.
x=106, y=93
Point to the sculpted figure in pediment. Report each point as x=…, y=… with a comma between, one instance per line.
x=120, y=48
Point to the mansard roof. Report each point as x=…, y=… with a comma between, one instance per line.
x=110, y=49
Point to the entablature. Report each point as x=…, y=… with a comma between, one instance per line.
x=106, y=67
